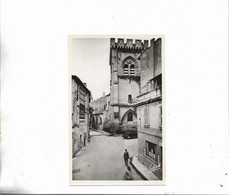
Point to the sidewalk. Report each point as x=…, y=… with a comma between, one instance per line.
x=95, y=133
x=104, y=132
x=142, y=170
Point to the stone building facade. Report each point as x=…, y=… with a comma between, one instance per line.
x=81, y=98
x=136, y=94
x=100, y=112
x=125, y=72
x=149, y=108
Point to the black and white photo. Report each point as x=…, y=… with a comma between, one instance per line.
x=117, y=109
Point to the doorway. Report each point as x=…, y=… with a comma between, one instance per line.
x=80, y=141
x=84, y=139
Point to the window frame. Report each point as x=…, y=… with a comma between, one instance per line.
x=128, y=117
x=130, y=98
x=132, y=69
x=126, y=69
x=146, y=117
x=149, y=149
x=160, y=116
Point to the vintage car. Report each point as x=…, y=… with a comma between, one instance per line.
x=130, y=134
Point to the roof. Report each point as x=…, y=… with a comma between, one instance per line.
x=105, y=96
x=77, y=80
x=156, y=77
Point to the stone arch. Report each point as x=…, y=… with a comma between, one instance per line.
x=132, y=69
x=129, y=65
x=129, y=61
x=93, y=122
x=127, y=112
x=130, y=116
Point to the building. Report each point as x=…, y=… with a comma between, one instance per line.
x=81, y=98
x=149, y=108
x=136, y=95
x=100, y=112
x=125, y=74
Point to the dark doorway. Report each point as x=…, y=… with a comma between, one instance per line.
x=130, y=116
x=80, y=140
x=84, y=139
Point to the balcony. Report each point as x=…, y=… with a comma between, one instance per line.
x=149, y=96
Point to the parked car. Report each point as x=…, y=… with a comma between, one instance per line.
x=130, y=134
x=120, y=131
x=111, y=134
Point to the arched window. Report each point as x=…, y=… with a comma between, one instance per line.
x=130, y=116
x=129, y=65
x=132, y=70
x=126, y=69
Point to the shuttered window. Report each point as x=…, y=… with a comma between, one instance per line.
x=160, y=115
x=132, y=70
x=146, y=116
x=82, y=103
x=126, y=72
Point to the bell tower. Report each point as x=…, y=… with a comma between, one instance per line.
x=125, y=79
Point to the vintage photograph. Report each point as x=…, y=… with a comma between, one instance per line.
x=116, y=109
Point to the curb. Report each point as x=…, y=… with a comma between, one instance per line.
x=139, y=172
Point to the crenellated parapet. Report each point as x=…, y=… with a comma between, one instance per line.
x=129, y=44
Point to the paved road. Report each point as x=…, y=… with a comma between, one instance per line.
x=103, y=159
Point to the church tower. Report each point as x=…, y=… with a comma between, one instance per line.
x=125, y=80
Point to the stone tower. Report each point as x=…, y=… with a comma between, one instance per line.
x=125, y=80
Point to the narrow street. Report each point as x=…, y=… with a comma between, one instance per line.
x=103, y=159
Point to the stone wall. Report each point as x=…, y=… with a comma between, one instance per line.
x=143, y=138
x=80, y=127
x=75, y=109
x=127, y=86
x=101, y=111
x=150, y=62
x=124, y=83
x=154, y=114
x=101, y=104
x=80, y=137
x=157, y=59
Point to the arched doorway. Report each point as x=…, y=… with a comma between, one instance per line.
x=130, y=116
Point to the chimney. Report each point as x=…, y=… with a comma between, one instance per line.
x=85, y=84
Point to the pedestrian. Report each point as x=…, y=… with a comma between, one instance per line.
x=126, y=157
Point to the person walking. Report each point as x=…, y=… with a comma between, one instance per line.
x=126, y=157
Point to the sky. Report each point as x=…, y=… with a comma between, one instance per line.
x=90, y=62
